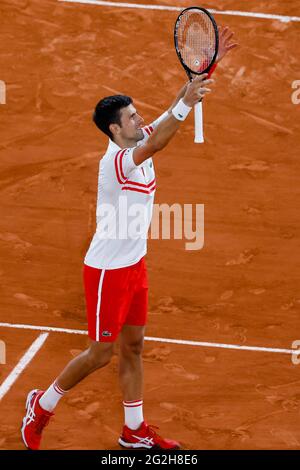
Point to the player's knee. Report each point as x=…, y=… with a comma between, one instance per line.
x=99, y=357
x=133, y=348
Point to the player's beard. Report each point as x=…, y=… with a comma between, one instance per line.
x=140, y=135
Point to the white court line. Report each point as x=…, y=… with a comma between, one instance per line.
x=249, y=14
x=22, y=364
x=159, y=340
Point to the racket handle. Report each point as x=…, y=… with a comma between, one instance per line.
x=199, y=139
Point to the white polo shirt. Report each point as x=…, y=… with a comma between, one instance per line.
x=124, y=207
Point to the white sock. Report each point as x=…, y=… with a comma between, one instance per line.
x=133, y=413
x=51, y=397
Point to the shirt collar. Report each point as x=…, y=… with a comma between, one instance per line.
x=112, y=147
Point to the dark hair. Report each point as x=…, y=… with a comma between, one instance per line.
x=108, y=110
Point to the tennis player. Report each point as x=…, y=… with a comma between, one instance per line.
x=115, y=275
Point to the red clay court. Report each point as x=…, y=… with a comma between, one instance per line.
x=241, y=290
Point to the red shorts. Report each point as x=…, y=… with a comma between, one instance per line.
x=115, y=297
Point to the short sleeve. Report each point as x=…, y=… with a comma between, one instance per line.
x=124, y=164
x=147, y=130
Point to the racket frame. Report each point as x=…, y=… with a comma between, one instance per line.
x=199, y=138
x=189, y=71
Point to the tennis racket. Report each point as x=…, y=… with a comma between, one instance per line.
x=196, y=40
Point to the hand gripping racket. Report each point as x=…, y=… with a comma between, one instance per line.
x=196, y=40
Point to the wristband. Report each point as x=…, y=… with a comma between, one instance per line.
x=181, y=110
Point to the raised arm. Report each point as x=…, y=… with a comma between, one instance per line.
x=178, y=97
x=167, y=128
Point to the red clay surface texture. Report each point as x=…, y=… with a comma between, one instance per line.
x=57, y=60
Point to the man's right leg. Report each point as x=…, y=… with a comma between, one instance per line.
x=40, y=405
x=99, y=353
x=95, y=357
x=105, y=291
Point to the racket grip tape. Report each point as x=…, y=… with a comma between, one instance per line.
x=199, y=138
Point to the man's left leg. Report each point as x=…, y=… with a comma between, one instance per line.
x=136, y=432
x=131, y=374
x=131, y=363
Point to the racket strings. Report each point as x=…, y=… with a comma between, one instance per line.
x=196, y=40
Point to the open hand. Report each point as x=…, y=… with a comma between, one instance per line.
x=225, y=44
